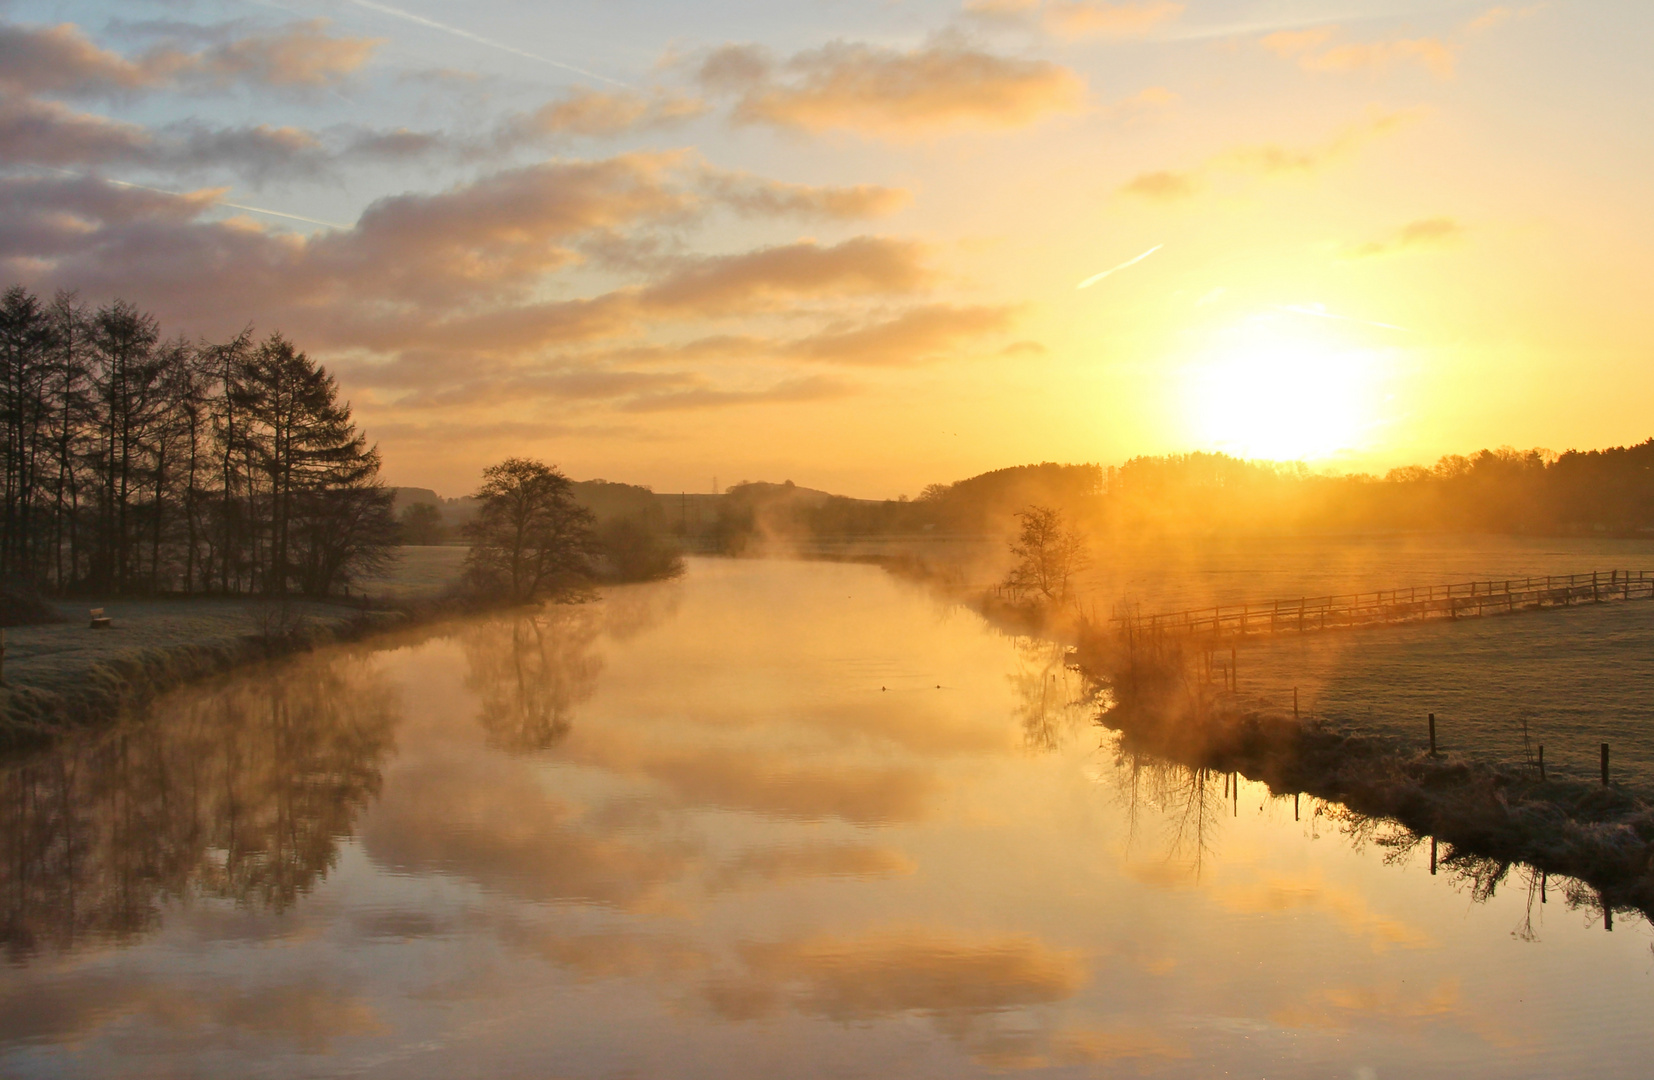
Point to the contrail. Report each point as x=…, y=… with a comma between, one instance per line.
x=1094, y=278
x=216, y=202
x=386, y=9
x=1296, y=309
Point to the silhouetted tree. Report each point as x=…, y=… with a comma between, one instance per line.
x=529, y=538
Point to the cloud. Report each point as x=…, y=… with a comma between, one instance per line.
x=1434, y=55
x=1080, y=18
x=62, y=60
x=300, y=54
x=751, y=195
x=1498, y=16
x=916, y=335
x=602, y=114
x=814, y=388
x=74, y=1005
x=1164, y=185
x=461, y=299
x=414, y=262
x=47, y=133
x=1292, y=43
x=1308, y=48
x=775, y=866
x=770, y=277
x=1265, y=160
x=1423, y=233
x=35, y=132
x=485, y=818
x=888, y=974
x=888, y=93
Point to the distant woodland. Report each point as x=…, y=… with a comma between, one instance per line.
x=1609, y=492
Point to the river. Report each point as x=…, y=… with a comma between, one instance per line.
x=772, y=819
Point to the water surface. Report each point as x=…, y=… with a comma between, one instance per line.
x=774, y=819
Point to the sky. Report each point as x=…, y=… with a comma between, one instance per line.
x=867, y=246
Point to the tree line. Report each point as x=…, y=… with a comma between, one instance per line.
x=132, y=464
x=1533, y=492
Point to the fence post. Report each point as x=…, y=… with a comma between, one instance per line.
x=1541, y=763
x=1604, y=764
x=1433, y=737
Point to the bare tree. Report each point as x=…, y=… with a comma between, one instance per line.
x=1049, y=552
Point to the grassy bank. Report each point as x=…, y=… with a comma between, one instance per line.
x=1601, y=835
x=65, y=675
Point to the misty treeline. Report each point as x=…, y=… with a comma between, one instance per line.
x=135, y=464
x=1507, y=491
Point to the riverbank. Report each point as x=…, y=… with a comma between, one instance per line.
x=65, y=675
x=1491, y=815
x=1484, y=815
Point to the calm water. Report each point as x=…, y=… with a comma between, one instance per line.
x=775, y=819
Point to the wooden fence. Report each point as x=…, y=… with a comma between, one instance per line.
x=1464, y=600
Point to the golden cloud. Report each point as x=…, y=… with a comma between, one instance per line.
x=916, y=335
x=889, y=93
x=604, y=113
x=1163, y=184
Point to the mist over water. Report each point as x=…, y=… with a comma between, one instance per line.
x=774, y=818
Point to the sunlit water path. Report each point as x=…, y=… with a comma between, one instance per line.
x=774, y=819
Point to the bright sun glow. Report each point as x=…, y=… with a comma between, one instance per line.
x=1272, y=389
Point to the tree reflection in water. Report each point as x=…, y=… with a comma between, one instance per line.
x=1191, y=802
x=1053, y=702
x=530, y=672
x=1188, y=800
x=238, y=789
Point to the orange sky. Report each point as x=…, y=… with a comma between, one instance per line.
x=840, y=243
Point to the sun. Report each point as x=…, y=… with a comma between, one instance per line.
x=1270, y=388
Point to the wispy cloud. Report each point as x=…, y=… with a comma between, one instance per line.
x=1498, y=16
x=467, y=35
x=1424, y=233
x=1313, y=51
x=1080, y=18
x=1265, y=160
